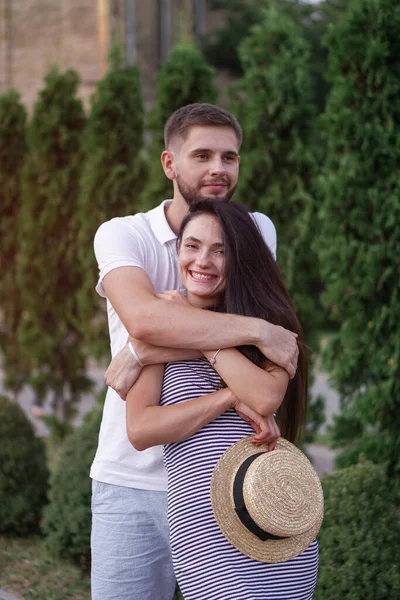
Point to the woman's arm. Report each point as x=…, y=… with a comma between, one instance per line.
x=149, y=424
x=261, y=389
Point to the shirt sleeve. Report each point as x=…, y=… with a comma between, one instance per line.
x=267, y=229
x=117, y=244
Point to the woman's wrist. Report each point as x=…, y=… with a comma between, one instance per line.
x=228, y=398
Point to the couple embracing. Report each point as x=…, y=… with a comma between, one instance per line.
x=191, y=479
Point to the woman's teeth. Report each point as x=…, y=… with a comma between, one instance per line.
x=201, y=276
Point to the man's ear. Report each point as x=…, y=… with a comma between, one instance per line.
x=168, y=164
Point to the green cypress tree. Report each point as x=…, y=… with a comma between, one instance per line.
x=184, y=79
x=48, y=269
x=274, y=104
x=359, y=242
x=12, y=155
x=113, y=176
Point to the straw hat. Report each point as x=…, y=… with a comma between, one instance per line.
x=269, y=505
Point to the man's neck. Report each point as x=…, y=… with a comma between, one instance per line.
x=175, y=213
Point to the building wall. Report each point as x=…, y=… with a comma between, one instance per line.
x=34, y=34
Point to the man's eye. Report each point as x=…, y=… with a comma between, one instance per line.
x=201, y=156
x=190, y=246
x=229, y=157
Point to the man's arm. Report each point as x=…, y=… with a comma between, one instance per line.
x=149, y=424
x=172, y=325
x=123, y=370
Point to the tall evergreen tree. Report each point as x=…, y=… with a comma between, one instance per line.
x=12, y=156
x=359, y=223
x=48, y=269
x=274, y=104
x=113, y=176
x=184, y=79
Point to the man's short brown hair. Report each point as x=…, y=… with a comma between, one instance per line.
x=193, y=115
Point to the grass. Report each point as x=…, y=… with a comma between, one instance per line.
x=28, y=572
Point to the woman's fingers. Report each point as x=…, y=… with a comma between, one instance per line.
x=269, y=432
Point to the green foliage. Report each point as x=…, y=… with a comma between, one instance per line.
x=24, y=475
x=184, y=79
x=277, y=161
x=113, y=177
x=359, y=241
x=222, y=47
x=360, y=537
x=221, y=50
x=12, y=155
x=49, y=272
x=67, y=518
x=278, y=164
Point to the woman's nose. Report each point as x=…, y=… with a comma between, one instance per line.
x=203, y=260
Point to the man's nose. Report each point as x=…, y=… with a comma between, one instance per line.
x=217, y=165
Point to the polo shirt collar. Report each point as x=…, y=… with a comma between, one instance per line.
x=159, y=223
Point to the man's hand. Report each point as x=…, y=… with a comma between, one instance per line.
x=122, y=372
x=266, y=429
x=279, y=345
x=174, y=296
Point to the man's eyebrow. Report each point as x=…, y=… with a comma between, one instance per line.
x=193, y=239
x=197, y=150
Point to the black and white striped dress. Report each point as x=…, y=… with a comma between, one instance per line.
x=206, y=565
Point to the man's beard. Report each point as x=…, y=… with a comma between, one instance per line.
x=192, y=194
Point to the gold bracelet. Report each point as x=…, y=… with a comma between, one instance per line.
x=214, y=358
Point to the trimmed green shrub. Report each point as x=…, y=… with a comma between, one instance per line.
x=12, y=155
x=359, y=230
x=67, y=518
x=360, y=537
x=184, y=79
x=23, y=472
x=113, y=177
x=49, y=273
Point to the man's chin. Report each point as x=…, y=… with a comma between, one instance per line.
x=223, y=197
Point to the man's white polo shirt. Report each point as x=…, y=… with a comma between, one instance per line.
x=144, y=240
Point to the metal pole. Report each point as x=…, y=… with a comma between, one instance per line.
x=9, y=42
x=131, y=56
x=165, y=26
x=199, y=20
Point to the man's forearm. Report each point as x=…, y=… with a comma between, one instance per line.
x=164, y=323
x=154, y=355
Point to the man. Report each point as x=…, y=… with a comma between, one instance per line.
x=137, y=260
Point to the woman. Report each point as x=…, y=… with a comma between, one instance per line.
x=225, y=265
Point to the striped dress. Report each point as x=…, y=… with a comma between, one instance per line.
x=207, y=567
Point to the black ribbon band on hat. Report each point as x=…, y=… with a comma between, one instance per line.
x=240, y=506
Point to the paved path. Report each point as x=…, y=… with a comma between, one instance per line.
x=7, y=596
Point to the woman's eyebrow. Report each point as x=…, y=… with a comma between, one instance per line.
x=194, y=239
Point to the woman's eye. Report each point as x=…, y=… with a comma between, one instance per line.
x=190, y=246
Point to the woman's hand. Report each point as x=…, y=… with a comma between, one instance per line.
x=266, y=429
x=174, y=296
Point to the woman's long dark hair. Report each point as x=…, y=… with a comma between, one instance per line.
x=255, y=288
